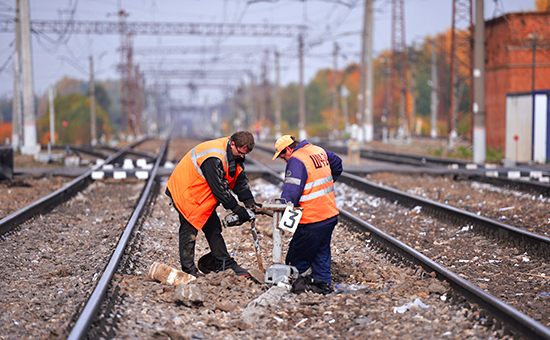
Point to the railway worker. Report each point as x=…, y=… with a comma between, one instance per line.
x=202, y=180
x=309, y=183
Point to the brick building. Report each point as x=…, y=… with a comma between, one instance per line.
x=509, y=65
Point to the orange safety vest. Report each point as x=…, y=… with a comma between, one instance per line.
x=317, y=198
x=188, y=187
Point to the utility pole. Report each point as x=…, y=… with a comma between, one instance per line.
x=265, y=96
x=478, y=109
x=441, y=86
x=302, y=100
x=16, y=105
x=252, y=118
x=344, y=92
x=125, y=68
x=136, y=100
x=30, y=146
x=277, y=97
x=362, y=80
x=533, y=65
x=434, y=104
x=93, y=131
x=387, y=101
x=334, y=128
x=413, y=93
x=368, y=117
x=51, y=93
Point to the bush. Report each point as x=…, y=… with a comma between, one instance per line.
x=462, y=152
x=494, y=155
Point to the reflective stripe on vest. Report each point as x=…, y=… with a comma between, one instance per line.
x=317, y=198
x=195, y=157
x=188, y=187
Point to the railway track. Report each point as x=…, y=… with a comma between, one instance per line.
x=531, y=243
x=55, y=250
x=526, y=178
x=137, y=307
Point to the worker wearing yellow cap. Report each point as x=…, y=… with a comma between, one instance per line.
x=309, y=183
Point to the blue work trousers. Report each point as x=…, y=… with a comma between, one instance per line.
x=310, y=247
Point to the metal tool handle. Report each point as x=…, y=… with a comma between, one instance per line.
x=257, y=245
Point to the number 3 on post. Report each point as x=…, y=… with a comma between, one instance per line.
x=290, y=220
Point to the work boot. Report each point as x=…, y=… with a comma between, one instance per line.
x=240, y=271
x=232, y=264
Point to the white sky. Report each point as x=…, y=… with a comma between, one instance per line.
x=324, y=18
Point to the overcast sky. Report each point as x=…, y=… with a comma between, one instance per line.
x=328, y=21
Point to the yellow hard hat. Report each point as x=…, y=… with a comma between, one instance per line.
x=282, y=143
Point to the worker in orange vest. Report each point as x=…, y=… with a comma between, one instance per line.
x=203, y=179
x=309, y=183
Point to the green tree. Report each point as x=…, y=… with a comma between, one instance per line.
x=72, y=121
x=102, y=97
x=289, y=105
x=318, y=97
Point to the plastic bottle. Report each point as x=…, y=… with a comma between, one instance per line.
x=342, y=288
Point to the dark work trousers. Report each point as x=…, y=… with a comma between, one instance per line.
x=213, y=232
x=310, y=247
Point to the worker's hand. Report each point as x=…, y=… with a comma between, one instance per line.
x=245, y=215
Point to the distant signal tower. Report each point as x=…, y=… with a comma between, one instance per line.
x=399, y=46
x=461, y=56
x=128, y=82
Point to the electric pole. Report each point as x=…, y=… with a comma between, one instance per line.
x=478, y=107
x=277, y=97
x=30, y=146
x=302, y=100
x=413, y=94
x=51, y=94
x=16, y=129
x=434, y=104
x=93, y=131
x=368, y=117
x=333, y=131
x=362, y=79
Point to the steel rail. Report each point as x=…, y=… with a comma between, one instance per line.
x=274, y=177
x=82, y=149
x=514, y=235
x=501, y=311
x=491, y=176
x=91, y=308
x=58, y=196
x=529, y=186
x=432, y=164
x=399, y=158
x=148, y=155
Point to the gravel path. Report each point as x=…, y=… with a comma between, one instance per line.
x=20, y=192
x=51, y=263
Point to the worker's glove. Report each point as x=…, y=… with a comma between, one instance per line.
x=245, y=215
x=253, y=206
